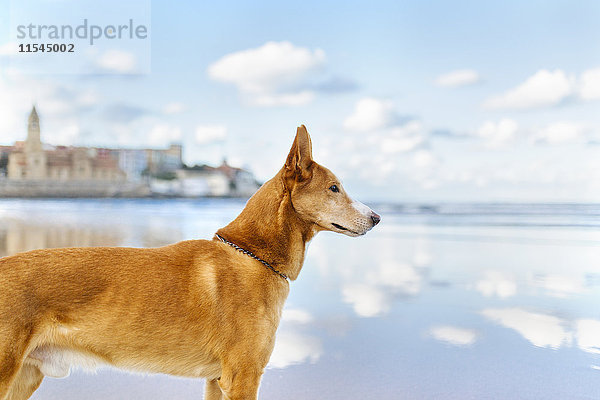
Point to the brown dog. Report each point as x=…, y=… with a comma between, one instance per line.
x=198, y=308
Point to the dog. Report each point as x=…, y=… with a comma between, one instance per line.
x=198, y=308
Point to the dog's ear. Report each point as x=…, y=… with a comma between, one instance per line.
x=300, y=159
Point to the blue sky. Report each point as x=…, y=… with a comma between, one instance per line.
x=406, y=101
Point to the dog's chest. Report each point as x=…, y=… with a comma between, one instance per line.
x=56, y=362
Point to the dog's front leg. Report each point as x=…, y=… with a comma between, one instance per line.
x=212, y=391
x=26, y=382
x=240, y=385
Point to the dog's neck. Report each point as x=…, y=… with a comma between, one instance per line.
x=270, y=228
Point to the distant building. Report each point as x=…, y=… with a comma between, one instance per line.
x=241, y=182
x=30, y=161
x=134, y=162
x=139, y=163
x=162, y=161
x=224, y=180
x=203, y=180
x=4, y=153
x=32, y=169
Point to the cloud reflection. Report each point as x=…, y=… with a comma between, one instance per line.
x=560, y=286
x=382, y=284
x=292, y=346
x=372, y=284
x=454, y=335
x=495, y=283
x=540, y=329
x=588, y=335
x=544, y=330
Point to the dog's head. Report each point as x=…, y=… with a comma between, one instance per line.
x=318, y=196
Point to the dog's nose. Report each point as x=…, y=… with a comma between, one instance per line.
x=375, y=218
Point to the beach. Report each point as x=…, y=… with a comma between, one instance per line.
x=452, y=301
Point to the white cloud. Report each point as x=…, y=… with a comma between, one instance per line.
x=174, y=108
x=370, y=114
x=424, y=159
x=406, y=156
x=458, y=78
x=560, y=132
x=540, y=329
x=146, y=130
x=425, y=168
x=61, y=106
x=9, y=49
x=496, y=283
x=117, y=61
x=276, y=73
x=589, y=85
x=67, y=135
x=548, y=88
x=206, y=134
x=497, y=134
x=402, y=138
x=162, y=134
x=560, y=176
x=454, y=335
x=385, y=129
x=394, y=144
x=544, y=88
x=285, y=99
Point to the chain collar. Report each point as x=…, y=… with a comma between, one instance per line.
x=250, y=254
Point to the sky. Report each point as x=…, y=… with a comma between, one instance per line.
x=405, y=101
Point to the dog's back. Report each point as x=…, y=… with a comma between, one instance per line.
x=56, y=283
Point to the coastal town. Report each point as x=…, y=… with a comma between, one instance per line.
x=32, y=168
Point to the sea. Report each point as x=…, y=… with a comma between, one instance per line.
x=439, y=301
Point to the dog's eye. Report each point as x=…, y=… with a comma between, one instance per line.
x=334, y=188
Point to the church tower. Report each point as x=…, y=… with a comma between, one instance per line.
x=33, y=142
x=34, y=154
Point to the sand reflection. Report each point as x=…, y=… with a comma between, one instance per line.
x=18, y=236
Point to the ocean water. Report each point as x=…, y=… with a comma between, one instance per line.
x=440, y=301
